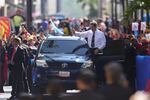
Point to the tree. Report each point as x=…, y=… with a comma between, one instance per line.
x=133, y=7
x=93, y=6
x=114, y=8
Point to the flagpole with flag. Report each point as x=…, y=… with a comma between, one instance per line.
x=56, y=29
x=4, y=28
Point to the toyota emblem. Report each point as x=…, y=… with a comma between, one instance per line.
x=64, y=65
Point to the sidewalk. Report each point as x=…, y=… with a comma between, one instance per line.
x=7, y=94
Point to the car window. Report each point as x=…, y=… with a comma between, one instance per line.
x=64, y=46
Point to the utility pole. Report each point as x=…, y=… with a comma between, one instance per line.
x=135, y=15
x=44, y=8
x=123, y=6
x=29, y=13
x=58, y=6
x=116, y=10
x=100, y=8
x=5, y=10
x=2, y=7
x=1, y=11
x=148, y=17
x=142, y=13
x=127, y=3
x=112, y=11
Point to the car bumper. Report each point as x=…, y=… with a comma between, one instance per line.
x=41, y=76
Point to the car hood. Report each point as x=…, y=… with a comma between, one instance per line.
x=64, y=57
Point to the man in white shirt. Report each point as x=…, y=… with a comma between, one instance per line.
x=97, y=42
x=95, y=38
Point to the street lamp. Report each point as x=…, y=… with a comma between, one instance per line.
x=100, y=8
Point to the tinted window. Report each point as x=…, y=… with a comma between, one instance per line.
x=64, y=46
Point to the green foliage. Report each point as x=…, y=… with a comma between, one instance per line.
x=134, y=6
x=93, y=4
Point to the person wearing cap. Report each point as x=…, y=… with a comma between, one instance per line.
x=16, y=66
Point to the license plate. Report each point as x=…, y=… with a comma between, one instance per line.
x=64, y=74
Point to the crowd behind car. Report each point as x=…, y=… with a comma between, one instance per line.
x=116, y=85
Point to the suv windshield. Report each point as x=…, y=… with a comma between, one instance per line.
x=77, y=47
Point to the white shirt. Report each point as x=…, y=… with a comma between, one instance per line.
x=100, y=40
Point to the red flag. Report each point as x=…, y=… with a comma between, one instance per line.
x=5, y=23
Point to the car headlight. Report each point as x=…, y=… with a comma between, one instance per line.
x=87, y=64
x=41, y=63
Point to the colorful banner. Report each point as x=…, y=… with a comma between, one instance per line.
x=143, y=26
x=135, y=26
x=4, y=28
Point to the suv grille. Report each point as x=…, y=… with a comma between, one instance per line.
x=64, y=65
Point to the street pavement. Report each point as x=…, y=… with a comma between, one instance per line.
x=7, y=94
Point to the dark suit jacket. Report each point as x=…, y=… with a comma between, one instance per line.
x=115, y=92
x=19, y=58
x=2, y=63
x=85, y=95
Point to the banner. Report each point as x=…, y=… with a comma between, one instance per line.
x=143, y=26
x=4, y=28
x=135, y=26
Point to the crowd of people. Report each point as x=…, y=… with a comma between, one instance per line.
x=116, y=87
x=18, y=51
x=68, y=25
